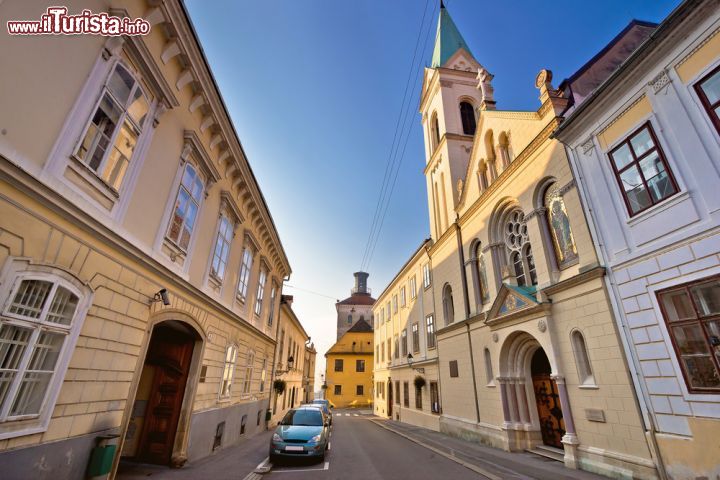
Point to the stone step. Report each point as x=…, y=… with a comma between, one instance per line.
x=546, y=451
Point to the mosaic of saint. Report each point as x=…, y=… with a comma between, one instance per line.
x=559, y=224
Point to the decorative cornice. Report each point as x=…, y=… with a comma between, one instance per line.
x=588, y=146
x=660, y=81
x=579, y=279
x=227, y=200
x=697, y=47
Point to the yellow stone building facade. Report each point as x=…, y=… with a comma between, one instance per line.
x=349, y=369
x=140, y=269
x=294, y=363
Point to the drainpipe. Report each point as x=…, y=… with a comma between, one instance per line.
x=463, y=273
x=466, y=299
x=642, y=396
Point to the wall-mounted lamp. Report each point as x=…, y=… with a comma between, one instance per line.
x=410, y=360
x=161, y=296
x=290, y=363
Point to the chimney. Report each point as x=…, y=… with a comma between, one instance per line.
x=361, y=282
x=287, y=300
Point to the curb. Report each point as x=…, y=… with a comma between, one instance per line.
x=465, y=464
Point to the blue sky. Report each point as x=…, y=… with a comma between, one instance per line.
x=315, y=87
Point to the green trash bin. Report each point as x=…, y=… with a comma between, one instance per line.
x=101, y=457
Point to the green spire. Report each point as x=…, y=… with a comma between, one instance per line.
x=447, y=40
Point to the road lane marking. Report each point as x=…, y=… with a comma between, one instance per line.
x=263, y=463
x=329, y=443
x=355, y=414
x=325, y=467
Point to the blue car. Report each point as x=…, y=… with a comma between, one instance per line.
x=301, y=433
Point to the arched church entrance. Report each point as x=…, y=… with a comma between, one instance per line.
x=547, y=400
x=158, y=403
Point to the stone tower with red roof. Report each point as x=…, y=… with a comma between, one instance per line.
x=358, y=306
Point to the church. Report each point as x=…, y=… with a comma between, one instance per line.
x=515, y=310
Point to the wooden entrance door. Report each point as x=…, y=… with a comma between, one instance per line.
x=552, y=425
x=390, y=399
x=170, y=352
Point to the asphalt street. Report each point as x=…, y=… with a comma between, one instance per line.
x=362, y=450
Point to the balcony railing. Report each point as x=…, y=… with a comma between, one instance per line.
x=355, y=290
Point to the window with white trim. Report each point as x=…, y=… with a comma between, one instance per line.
x=263, y=375
x=109, y=139
x=395, y=303
x=228, y=371
x=413, y=287
x=426, y=275
x=260, y=291
x=403, y=298
x=38, y=327
x=273, y=296
x=187, y=204
x=222, y=248
x=430, y=330
x=245, y=268
x=248, y=372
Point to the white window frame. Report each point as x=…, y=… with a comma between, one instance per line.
x=430, y=331
x=403, y=297
x=413, y=287
x=141, y=129
x=262, y=281
x=395, y=303
x=273, y=297
x=178, y=189
x=14, y=272
x=228, y=372
x=427, y=277
x=226, y=240
x=249, y=367
x=245, y=271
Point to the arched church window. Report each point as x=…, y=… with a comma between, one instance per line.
x=482, y=177
x=448, y=306
x=582, y=360
x=467, y=115
x=434, y=131
x=518, y=247
x=489, y=377
x=559, y=226
x=504, y=149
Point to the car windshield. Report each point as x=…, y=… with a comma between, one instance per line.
x=304, y=417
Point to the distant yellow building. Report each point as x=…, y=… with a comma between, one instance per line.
x=349, y=365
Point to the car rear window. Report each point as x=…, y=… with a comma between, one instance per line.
x=306, y=416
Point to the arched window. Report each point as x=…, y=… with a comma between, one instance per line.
x=490, y=152
x=482, y=176
x=518, y=247
x=467, y=115
x=349, y=320
x=504, y=149
x=448, y=306
x=434, y=132
x=559, y=225
x=489, y=377
x=582, y=360
x=41, y=313
x=482, y=295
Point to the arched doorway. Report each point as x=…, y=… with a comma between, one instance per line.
x=161, y=393
x=547, y=400
x=390, y=399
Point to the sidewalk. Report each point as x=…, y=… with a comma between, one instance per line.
x=231, y=463
x=490, y=462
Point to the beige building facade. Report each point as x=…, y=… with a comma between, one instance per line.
x=406, y=346
x=140, y=269
x=528, y=352
x=294, y=363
